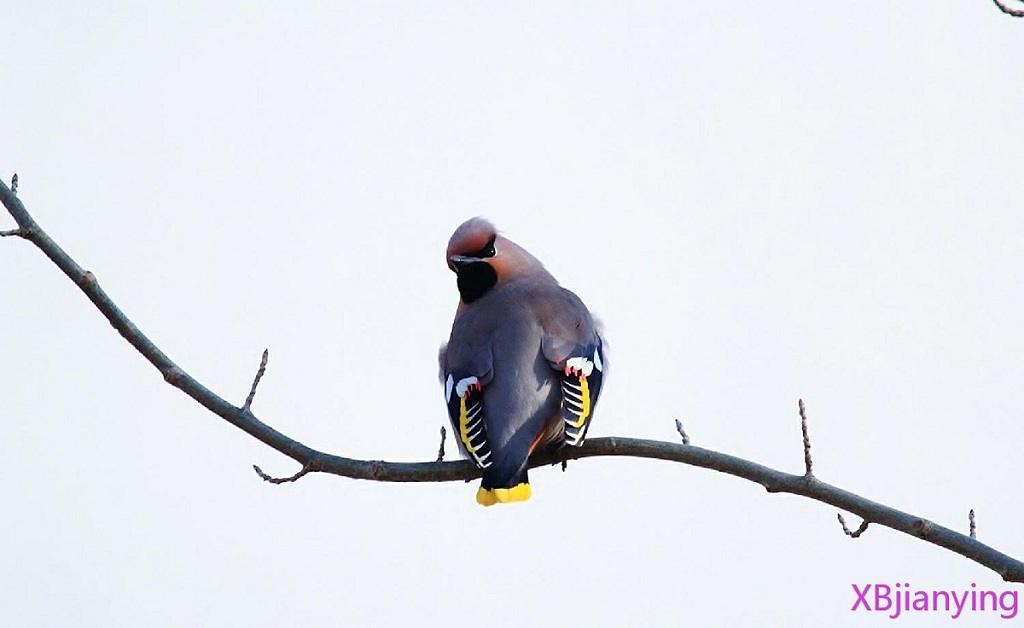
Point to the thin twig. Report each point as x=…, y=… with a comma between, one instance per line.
x=12, y=232
x=808, y=463
x=266, y=478
x=973, y=524
x=856, y=533
x=312, y=460
x=682, y=432
x=1009, y=11
x=256, y=381
x=14, y=183
x=440, y=450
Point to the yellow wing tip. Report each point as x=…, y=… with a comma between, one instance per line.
x=490, y=497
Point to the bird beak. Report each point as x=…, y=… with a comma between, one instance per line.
x=458, y=261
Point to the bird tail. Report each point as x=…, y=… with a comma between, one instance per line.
x=516, y=489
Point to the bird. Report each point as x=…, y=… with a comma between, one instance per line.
x=524, y=365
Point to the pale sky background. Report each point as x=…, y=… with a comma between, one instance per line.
x=762, y=201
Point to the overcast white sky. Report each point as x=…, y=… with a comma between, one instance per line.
x=762, y=201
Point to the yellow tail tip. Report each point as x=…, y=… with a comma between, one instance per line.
x=490, y=497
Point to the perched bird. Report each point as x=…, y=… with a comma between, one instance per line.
x=523, y=367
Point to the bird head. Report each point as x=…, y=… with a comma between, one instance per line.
x=482, y=258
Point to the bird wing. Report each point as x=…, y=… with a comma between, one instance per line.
x=464, y=396
x=573, y=346
x=465, y=370
x=582, y=375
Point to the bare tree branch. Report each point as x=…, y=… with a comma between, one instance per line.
x=256, y=381
x=1008, y=10
x=440, y=449
x=856, y=533
x=682, y=433
x=291, y=478
x=312, y=460
x=808, y=463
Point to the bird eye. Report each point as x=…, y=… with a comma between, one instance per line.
x=487, y=251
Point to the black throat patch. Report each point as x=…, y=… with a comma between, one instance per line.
x=475, y=280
